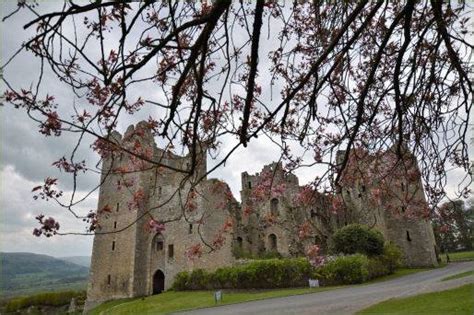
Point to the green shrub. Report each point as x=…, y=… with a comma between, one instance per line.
x=198, y=279
x=259, y=274
x=345, y=270
x=180, y=281
x=392, y=256
x=386, y=263
x=45, y=299
x=357, y=238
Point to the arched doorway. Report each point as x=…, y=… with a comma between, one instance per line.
x=158, y=282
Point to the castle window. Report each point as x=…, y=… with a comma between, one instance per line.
x=158, y=241
x=159, y=245
x=272, y=242
x=408, y=236
x=113, y=245
x=250, y=185
x=109, y=279
x=118, y=205
x=313, y=213
x=190, y=229
x=274, y=207
x=170, y=251
x=239, y=242
x=115, y=224
x=403, y=186
x=403, y=209
x=362, y=188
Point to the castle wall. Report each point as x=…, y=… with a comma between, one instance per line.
x=127, y=253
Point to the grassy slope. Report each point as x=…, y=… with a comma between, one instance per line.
x=459, y=256
x=459, y=275
x=24, y=273
x=174, y=301
x=457, y=301
x=398, y=273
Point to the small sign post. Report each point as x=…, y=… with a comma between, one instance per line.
x=218, y=296
x=313, y=283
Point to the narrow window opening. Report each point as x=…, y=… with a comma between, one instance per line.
x=408, y=236
x=109, y=279
x=363, y=188
x=170, y=251
x=115, y=224
x=403, y=186
x=118, y=205
x=403, y=209
x=159, y=245
x=113, y=245
x=239, y=242
x=274, y=207
x=250, y=185
x=313, y=213
x=190, y=229
x=159, y=190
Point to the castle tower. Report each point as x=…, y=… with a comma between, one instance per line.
x=130, y=258
x=383, y=191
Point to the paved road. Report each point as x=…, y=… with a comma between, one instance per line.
x=349, y=300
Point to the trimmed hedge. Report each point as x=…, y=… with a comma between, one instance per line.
x=350, y=269
x=358, y=238
x=258, y=274
x=292, y=272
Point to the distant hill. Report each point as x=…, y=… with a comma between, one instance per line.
x=23, y=273
x=78, y=260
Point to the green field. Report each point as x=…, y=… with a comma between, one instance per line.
x=398, y=273
x=457, y=301
x=177, y=301
x=459, y=275
x=459, y=256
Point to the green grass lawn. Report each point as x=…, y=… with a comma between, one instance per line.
x=457, y=301
x=172, y=301
x=459, y=256
x=398, y=273
x=459, y=275
x=177, y=301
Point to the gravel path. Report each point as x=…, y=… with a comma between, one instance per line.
x=352, y=299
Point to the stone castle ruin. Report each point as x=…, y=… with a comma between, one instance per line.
x=205, y=227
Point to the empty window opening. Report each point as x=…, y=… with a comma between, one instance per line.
x=272, y=240
x=313, y=213
x=403, y=187
x=113, y=245
x=239, y=242
x=115, y=224
x=109, y=279
x=190, y=229
x=170, y=251
x=159, y=245
x=408, y=236
x=362, y=188
x=158, y=242
x=274, y=207
x=250, y=185
x=403, y=209
x=118, y=205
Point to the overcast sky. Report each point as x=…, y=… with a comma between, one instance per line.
x=26, y=158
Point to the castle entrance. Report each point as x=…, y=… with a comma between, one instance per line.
x=158, y=282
